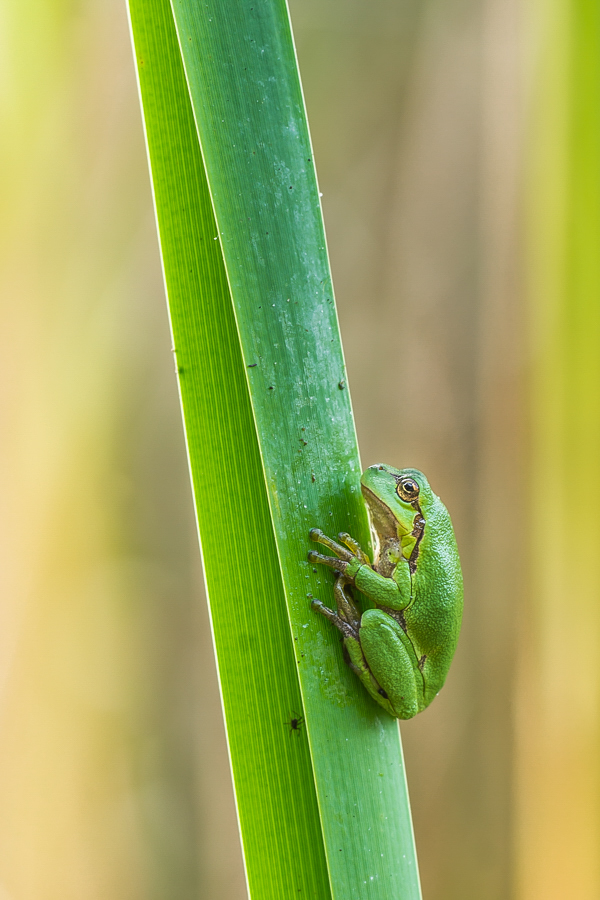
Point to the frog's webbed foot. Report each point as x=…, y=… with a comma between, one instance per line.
x=347, y=608
x=340, y=623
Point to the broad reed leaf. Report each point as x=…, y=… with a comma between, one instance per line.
x=323, y=809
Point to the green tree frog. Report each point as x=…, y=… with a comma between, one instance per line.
x=402, y=647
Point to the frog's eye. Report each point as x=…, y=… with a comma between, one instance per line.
x=408, y=489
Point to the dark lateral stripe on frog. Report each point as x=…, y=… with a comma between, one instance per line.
x=418, y=532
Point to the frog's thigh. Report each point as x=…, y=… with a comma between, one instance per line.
x=390, y=662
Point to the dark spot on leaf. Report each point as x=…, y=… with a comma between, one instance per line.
x=295, y=723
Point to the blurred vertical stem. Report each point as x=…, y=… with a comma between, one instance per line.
x=559, y=764
x=323, y=812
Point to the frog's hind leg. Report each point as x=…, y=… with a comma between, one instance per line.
x=353, y=652
x=355, y=658
x=392, y=662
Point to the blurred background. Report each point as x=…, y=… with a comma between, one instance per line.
x=458, y=150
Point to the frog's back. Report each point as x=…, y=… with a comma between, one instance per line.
x=434, y=616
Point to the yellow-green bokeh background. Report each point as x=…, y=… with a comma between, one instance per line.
x=458, y=149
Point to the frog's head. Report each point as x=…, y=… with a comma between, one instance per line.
x=394, y=498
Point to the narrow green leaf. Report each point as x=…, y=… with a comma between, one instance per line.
x=258, y=678
x=271, y=443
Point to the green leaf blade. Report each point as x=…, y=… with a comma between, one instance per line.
x=258, y=681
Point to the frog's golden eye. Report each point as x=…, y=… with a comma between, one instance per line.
x=408, y=489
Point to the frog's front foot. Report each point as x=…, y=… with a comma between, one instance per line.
x=348, y=559
x=355, y=547
x=315, y=534
x=333, y=562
